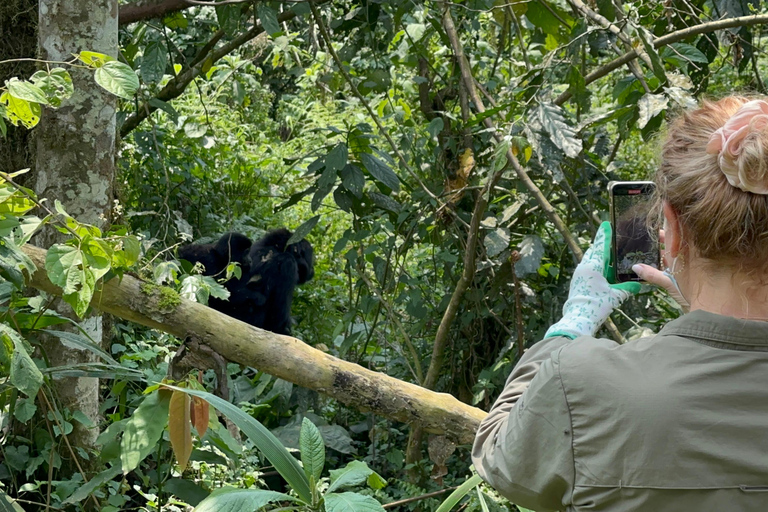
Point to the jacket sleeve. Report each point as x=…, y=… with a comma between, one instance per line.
x=523, y=447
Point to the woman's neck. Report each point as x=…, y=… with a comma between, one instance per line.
x=736, y=295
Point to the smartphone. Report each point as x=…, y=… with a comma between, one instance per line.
x=632, y=240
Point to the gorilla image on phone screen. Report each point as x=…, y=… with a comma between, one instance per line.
x=634, y=243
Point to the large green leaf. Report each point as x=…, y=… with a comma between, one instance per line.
x=336, y=158
x=56, y=84
x=312, y=451
x=24, y=374
x=268, y=19
x=94, y=483
x=26, y=91
x=154, y=62
x=303, y=230
x=561, y=133
x=144, y=429
x=283, y=462
x=117, y=78
x=354, y=473
x=241, y=500
x=380, y=171
x=351, y=502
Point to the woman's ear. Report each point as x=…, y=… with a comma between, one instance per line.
x=672, y=232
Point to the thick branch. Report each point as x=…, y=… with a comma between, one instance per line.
x=147, y=9
x=679, y=35
x=282, y=356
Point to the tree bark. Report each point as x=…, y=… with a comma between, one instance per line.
x=76, y=165
x=281, y=356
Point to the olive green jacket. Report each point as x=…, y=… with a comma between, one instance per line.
x=675, y=422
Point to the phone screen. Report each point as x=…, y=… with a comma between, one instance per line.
x=632, y=240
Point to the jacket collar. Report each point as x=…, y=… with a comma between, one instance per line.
x=720, y=331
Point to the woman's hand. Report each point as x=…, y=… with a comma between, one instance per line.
x=593, y=295
x=661, y=279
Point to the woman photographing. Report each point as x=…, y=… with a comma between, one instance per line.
x=673, y=422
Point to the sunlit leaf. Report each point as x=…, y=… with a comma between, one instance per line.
x=144, y=429
x=117, y=78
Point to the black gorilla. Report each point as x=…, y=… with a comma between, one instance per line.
x=231, y=247
x=271, y=270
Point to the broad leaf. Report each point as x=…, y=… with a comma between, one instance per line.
x=56, y=84
x=303, y=230
x=26, y=91
x=268, y=19
x=380, y=171
x=154, y=62
x=24, y=374
x=336, y=159
x=353, y=180
x=354, y=473
x=241, y=500
x=496, y=241
x=312, y=451
x=117, y=78
x=561, y=133
x=20, y=111
x=144, y=429
x=94, y=483
x=351, y=502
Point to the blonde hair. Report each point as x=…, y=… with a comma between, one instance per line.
x=725, y=224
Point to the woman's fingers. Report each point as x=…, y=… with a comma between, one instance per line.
x=655, y=276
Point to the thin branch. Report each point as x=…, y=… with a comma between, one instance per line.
x=743, y=21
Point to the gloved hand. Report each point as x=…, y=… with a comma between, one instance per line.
x=592, y=296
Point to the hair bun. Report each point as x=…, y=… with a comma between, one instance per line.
x=741, y=147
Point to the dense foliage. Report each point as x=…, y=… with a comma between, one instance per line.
x=448, y=162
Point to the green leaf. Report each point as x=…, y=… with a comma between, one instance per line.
x=351, y=502
x=56, y=84
x=26, y=91
x=385, y=202
x=561, y=133
x=94, y=59
x=457, y=495
x=543, y=18
x=24, y=375
x=435, y=126
x=165, y=107
x=354, y=473
x=19, y=111
x=268, y=18
x=680, y=55
x=229, y=18
x=312, y=451
x=80, y=342
x=228, y=499
x=85, y=490
x=658, y=67
x=117, y=78
x=283, y=462
x=353, y=179
x=380, y=171
x=186, y=490
x=303, y=230
x=154, y=62
x=13, y=263
x=8, y=504
x=67, y=269
x=336, y=159
x=25, y=409
x=144, y=429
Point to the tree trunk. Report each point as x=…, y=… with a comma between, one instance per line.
x=76, y=165
x=281, y=356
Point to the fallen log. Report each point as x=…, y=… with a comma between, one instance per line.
x=281, y=356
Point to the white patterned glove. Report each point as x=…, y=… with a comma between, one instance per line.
x=592, y=296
